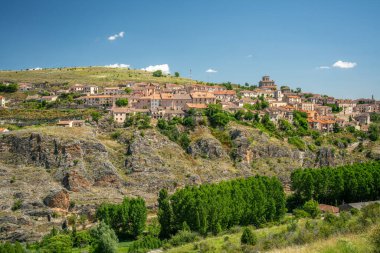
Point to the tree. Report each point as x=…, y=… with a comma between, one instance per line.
x=121, y=102
x=104, y=239
x=128, y=90
x=165, y=214
x=157, y=73
x=311, y=207
x=95, y=116
x=176, y=74
x=373, y=132
x=248, y=237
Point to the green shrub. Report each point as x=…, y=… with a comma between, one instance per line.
x=248, y=237
x=183, y=237
x=299, y=213
x=59, y=243
x=311, y=207
x=144, y=244
x=16, y=204
x=375, y=239
x=298, y=142
x=104, y=239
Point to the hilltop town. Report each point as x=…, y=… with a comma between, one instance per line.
x=169, y=100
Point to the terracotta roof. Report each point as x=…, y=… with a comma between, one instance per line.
x=202, y=95
x=327, y=208
x=196, y=106
x=97, y=96
x=225, y=92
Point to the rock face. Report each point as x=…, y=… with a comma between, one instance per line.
x=207, y=148
x=73, y=181
x=58, y=199
x=77, y=163
x=46, y=168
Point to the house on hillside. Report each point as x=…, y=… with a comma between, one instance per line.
x=3, y=130
x=202, y=98
x=49, y=98
x=225, y=95
x=85, y=89
x=267, y=83
x=25, y=86
x=70, y=123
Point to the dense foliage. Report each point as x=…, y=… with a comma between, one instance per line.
x=126, y=219
x=216, y=207
x=139, y=120
x=9, y=88
x=248, y=237
x=11, y=248
x=170, y=129
x=121, y=102
x=349, y=183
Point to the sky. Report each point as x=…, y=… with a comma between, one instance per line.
x=326, y=46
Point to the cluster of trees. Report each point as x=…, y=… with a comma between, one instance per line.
x=12, y=248
x=127, y=219
x=121, y=102
x=100, y=238
x=169, y=128
x=349, y=183
x=9, y=88
x=216, y=207
x=139, y=120
x=217, y=116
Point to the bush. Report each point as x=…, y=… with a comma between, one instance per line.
x=145, y=244
x=183, y=237
x=299, y=213
x=17, y=204
x=121, y=102
x=311, y=207
x=375, y=239
x=298, y=142
x=248, y=237
x=60, y=243
x=82, y=239
x=104, y=239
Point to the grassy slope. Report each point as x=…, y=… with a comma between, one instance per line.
x=101, y=76
x=347, y=243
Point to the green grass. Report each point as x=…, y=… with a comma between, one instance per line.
x=100, y=76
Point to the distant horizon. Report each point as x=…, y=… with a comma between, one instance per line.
x=326, y=46
x=196, y=80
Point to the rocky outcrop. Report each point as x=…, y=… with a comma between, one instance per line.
x=58, y=199
x=207, y=148
x=73, y=181
x=77, y=163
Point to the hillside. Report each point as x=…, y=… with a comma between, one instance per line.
x=91, y=166
x=101, y=76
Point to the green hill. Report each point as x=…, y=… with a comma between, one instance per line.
x=101, y=76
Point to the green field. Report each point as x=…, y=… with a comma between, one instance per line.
x=100, y=76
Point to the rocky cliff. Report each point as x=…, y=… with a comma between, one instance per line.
x=49, y=173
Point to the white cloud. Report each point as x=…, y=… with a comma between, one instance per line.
x=211, y=71
x=249, y=56
x=116, y=36
x=117, y=65
x=38, y=68
x=163, y=67
x=324, y=67
x=344, y=65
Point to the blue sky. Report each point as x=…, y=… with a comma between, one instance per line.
x=241, y=40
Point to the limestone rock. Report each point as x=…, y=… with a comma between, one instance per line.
x=58, y=199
